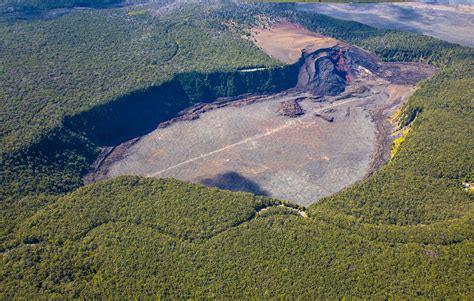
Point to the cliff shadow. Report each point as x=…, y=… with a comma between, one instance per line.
x=140, y=112
x=235, y=182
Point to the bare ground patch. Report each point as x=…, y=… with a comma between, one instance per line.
x=285, y=41
x=253, y=148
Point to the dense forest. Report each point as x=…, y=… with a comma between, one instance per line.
x=69, y=61
x=28, y=6
x=406, y=232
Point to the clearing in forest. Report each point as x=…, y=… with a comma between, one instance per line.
x=285, y=41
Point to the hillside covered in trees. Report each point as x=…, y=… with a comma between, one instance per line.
x=29, y=6
x=406, y=232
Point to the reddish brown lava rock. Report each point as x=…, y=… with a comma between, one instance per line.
x=341, y=62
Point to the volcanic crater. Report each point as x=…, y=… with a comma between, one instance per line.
x=329, y=131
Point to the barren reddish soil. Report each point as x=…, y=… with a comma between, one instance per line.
x=285, y=41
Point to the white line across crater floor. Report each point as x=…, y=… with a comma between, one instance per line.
x=286, y=125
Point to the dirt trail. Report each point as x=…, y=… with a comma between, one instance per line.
x=287, y=124
x=296, y=211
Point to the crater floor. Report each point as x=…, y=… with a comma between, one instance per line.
x=253, y=148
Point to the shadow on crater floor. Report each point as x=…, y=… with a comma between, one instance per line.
x=235, y=182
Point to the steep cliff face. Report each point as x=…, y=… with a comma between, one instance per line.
x=328, y=71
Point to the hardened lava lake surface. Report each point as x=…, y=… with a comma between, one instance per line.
x=253, y=148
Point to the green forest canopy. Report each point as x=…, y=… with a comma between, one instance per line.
x=406, y=232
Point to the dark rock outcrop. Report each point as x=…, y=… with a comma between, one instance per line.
x=290, y=108
x=326, y=117
x=325, y=71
